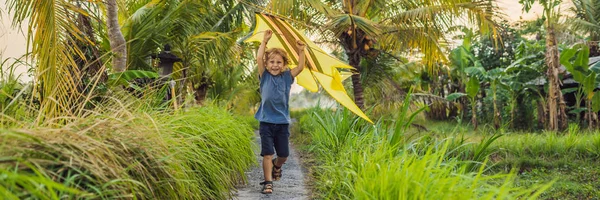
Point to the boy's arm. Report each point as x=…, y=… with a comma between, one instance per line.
x=300, y=46
x=261, y=52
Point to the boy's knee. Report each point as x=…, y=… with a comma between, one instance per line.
x=281, y=159
x=283, y=154
x=270, y=156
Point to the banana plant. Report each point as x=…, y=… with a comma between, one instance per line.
x=494, y=76
x=557, y=118
x=518, y=75
x=472, y=88
x=576, y=61
x=467, y=66
x=462, y=58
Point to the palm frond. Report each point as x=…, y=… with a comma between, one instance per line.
x=215, y=48
x=416, y=40
x=370, y=7
x=587, y=17
x=446, y=13
x=52, y=31
x=583, y=25
x=321, y=7
x=344, y=22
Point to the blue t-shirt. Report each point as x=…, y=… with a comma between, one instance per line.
x=275, y=94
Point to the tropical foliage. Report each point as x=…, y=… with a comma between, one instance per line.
x=364, y=29
x=469, y=105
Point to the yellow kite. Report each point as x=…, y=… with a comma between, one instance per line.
x=321, y=67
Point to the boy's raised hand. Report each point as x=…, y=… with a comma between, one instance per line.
x=300, y=45
x=268, y=35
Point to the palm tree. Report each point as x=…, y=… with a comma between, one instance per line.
x=366, y=28
x=117, y=41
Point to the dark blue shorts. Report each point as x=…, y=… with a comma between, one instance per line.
x=274, y=136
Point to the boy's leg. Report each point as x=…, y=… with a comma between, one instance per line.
x=267, y=167
x=267, y=151
x=282, y=143
x=279, y=161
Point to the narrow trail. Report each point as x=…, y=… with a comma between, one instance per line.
x=290, y=186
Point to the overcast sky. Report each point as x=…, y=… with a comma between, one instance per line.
x=12, y=41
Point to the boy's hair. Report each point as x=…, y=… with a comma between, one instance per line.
x=277, y=51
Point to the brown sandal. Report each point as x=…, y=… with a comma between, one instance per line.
x=267, y=187
x=276, y=172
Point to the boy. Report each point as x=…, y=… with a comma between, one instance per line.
x=274, y=114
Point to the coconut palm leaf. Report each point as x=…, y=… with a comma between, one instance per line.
x=215, y=48
x=344, y=22
x=587, y=17
x=51, y=24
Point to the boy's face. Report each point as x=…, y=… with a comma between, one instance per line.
x=275, y=64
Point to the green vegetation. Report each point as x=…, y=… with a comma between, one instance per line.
x=199, y=153
x=355, y=160
x=567, y=158
x=562, y=164
x=494, y=116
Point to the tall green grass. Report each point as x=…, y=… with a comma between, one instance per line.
x=124, y=149
x=551, y=145
x=546, y=150
x=17, y=184
x=356, y=160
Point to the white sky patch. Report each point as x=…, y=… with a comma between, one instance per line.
x=12, y=41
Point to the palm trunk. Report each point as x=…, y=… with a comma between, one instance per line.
x=556, y=113
x=93, y=67
x=353, y=42
x=116, y=39
x=356, y=83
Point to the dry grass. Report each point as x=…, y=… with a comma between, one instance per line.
x=130, y=153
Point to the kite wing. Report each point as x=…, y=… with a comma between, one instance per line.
x=322, y=69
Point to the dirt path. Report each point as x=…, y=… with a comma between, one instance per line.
x=291, y=185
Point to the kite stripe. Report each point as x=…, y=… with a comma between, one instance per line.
x=286, y=45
